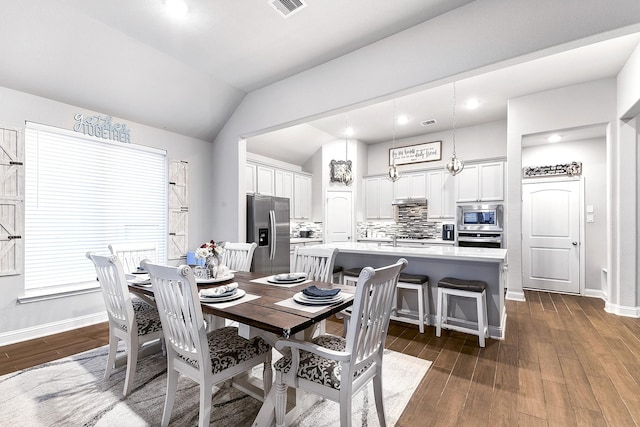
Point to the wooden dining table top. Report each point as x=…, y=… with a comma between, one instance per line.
x=262, y=312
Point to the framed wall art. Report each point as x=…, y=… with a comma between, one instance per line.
x=427, y=152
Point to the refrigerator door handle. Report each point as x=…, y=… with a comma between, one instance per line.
x=272, y=232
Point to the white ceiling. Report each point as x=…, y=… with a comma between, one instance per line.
x=373, y=124
x=129, y=59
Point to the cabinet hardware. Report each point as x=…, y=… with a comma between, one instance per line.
x=16, y=163
x=14, y=237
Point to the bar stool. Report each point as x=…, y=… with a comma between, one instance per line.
x=337, y=274
x=350, y=276
x=420, y=284
x=462, y=288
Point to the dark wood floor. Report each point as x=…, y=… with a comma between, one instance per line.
x=564, y=362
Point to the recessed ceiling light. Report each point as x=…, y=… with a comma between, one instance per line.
x=177, y=8
x=349, y=131
x=403, y=120
x=554, y=138
x=472, y=103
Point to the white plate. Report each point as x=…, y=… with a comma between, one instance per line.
x=209, y=300
x=285, y=282
x=215, y=280
x=300, y=298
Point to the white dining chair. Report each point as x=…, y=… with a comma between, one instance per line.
x=131, y=320
x=316, y=262
x=336, y=368
x=238, y=256
x=207, y=359
x=132, y=254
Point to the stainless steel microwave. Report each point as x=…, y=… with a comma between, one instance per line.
x=480, y=217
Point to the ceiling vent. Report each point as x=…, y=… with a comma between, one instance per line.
x=286, y=8
x=429, y=122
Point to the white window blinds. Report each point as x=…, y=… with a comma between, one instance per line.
x=82, y=194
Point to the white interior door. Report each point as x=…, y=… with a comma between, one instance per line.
x=339, y=216
x=551, y=236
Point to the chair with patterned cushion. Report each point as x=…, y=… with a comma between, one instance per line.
x=131, y=320
x=207, y=359
x=238, y=256
x=318, y=263
x=337, y=368
x=131, y=255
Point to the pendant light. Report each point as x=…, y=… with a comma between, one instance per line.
x=455, y=165
x=393, y=174
x=347, y=178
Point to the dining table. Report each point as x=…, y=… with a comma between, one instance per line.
x=268, y=310
x=266, y=307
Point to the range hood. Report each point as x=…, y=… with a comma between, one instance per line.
x=417, y=201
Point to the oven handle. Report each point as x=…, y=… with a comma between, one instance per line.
x=480, y=239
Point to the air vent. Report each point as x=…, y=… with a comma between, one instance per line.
x=286, y=8
x=429, y=122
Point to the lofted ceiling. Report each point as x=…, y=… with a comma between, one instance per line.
x=129, y=59
x=373, y=124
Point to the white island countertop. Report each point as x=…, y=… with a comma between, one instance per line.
x=433, y=252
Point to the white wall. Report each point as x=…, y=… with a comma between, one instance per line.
x=471, y=39
x=593, y=155
x=486, y=141
x=21, y=321
x=569, y=107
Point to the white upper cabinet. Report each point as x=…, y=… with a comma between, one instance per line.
x=302, y=196
x=410, y=185
x=250, y=178
x=440, y=195
x=378, y=198
x=266, y=180
x=284, y=188
x=483, y=182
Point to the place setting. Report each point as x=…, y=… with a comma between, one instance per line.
x=313, y=299
x=139, y=277
x=224, y=293
x=284, y=279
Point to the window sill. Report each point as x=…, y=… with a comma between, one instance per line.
x=63, y=291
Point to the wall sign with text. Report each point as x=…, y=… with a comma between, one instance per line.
x=101, y=127
x=427, y=152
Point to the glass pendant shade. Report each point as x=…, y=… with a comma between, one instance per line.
x=454, y=166
x=393, y=173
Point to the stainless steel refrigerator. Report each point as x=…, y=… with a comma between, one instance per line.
x=268, y=226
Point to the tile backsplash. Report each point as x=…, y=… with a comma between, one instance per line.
x=315, y=227
x=411, y=222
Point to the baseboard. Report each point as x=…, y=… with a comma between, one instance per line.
x=622, y=310
x=39, y=331
x=594, y=293
x=515, y=296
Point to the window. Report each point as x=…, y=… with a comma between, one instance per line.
x=82, y=194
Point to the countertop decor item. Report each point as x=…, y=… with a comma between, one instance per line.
x=211, y=251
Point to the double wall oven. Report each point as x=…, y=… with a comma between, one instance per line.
x=480, y=226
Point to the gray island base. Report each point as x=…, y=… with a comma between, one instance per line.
x=437, y=262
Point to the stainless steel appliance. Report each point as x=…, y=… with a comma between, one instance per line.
x=448, y=232
x=480, y=226
x=268, y=226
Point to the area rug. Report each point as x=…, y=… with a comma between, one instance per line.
x=72, y=392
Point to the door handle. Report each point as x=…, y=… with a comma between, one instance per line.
x=574, y=243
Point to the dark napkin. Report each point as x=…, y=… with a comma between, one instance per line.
x=314, y=291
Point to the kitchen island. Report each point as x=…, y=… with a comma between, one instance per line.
x=437, y=262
